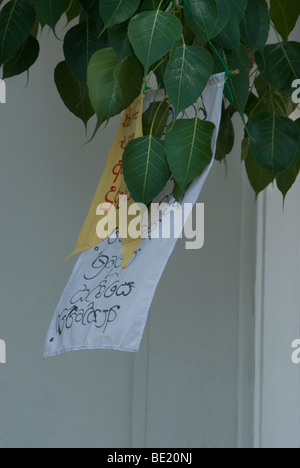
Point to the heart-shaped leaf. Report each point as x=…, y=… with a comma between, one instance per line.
x=16, y=22
x=279, y=65
x=145, y=168
x=259, y=178
x=206, y=17
x=286, y=179
x=72, y=93
x=130, y=84
x=255, y=25
x=92, y=8
x=72, y=9
x=268, y=100
x=187, y=74
x=152, y=34
x=117, y=11
x=238, y=7
x=284, y=14
x=119, y=40
x=50, y=11
x=101, y=82
x=188, y=149
x=230, y=36
x=160, y=112
x=274, y=141
x=80, y=44
x=23, y=59
x=226, y=135
x=112, y=85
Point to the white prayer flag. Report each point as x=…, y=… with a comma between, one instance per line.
x=105, y=307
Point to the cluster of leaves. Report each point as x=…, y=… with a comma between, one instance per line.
x=111, y=47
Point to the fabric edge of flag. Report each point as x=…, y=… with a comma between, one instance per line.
x=90, y=348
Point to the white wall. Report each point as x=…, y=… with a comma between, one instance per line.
x=192, y=383
x=277, y=399
x=47, y=181
x=277, y=379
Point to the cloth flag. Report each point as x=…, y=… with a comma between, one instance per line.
x=105, y=306
x=112, y=184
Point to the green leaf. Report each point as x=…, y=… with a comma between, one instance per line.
x=245, y=148
x=72, y=9
x=255, y=25
x=35, y=30
x=238, y=7
x=286, y=179
x=188, y=35
x=152, y=34
x=149, y=5
x=159, y=112
x=280, y=65
x=239, y=84
x=225, y=140
x=23, y=59
x=297, y=123
x=119, y=40
x=223, y=16
x=80, y=44
x=98, y=109
x=117, y=11
x=72, y=93
x=130, y=83
x=16, y=22
x=145, y=168
x=284, y=14
x=259, y=178
x=274, y=141
x=230, y=37
x=102, y=86
x=50, y=11
x=177, y=193
x=206, y=17
x=112, y=85
x=92, y=8
x=187, y=75
x=188, y=149
x=269, y=100
x=161, y=71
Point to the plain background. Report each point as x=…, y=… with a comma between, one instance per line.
x=192, y=384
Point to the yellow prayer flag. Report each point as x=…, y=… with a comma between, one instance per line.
x=112, y=184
